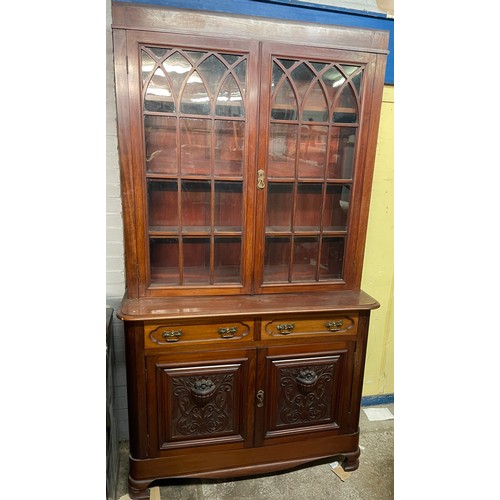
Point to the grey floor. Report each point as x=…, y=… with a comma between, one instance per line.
x=373, y=480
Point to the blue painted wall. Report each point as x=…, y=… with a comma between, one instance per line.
x=293, y=10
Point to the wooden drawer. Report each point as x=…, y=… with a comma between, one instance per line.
x=175, y=333
x=324, y=325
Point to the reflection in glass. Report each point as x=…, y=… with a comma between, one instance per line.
x=241, y=72
x=229, y=147
x=302, y=77
x=230, y=58
x=315, y=107
x=195, y=99
x=341, y=156
x=312, y=159
x=336, y=207
x=229, y=100
x=279, y=207
x=346, y=108
x=195, y=146
x=160, y=141
x=164, y=261
x=333, y=80
x=158, y=94
x=228, y=206
x=196, y=207
x=332, y=258
x=162, y=205
x=305, y=259
x=212, y=70
x=159, y=52
x=276, y=260
x=356, y=80
x=194, y=55
x=227, y=257
x=147, y=65
x=285, y=105
x=308, y=208
x=282, y=150
x=196, y=261
x=177, y=67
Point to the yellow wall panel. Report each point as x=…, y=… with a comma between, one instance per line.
x=378, y=270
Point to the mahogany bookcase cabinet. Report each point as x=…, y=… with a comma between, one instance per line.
x=246, y=149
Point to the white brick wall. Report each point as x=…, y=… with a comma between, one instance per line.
x=115, y=271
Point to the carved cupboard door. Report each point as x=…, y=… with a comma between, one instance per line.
x=302, y=390
x=201, y=401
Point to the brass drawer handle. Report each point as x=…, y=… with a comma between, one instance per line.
x=334, y=326
x=285, y=328
x=227, y=333
x=172, y=335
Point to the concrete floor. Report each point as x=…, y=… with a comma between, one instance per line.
x=374, y=480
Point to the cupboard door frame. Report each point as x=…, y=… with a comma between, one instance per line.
x=333, y=365
x=134, y=188
x=368, y=119
x=232, y=370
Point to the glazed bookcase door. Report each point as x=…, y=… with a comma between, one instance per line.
x=310, y=166
x=194, y=138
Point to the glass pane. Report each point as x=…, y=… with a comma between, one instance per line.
x=230, y=58
x=162, y=206
x=228, y=206
x=195, y=99
x=312, y=159
x=177, y=67
x=318, y=66
x=333, y=79
x=194, y=55
x=302, y=77
x=147, y=66
x=285, y=105
x=276, y=260
x=196, y=146
x=158, y=94
x=341, y=156
x=276, y=77
x=227, y=260
x=336, y=208
x=349, y=70
x=305, y=259
x=159, y=52
x=196, y=213
x=196, y=259
x=356, y=80
x=332, y=258
x=282, y=150
x=345, y=110
x=161, y=148
x=241, y=72
x=308, y=209
x=229, y=146
x=229, y=100
x=164, y=259
x=315, y=108
x=279, y=207
x=212, y=70
x=287, y=63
